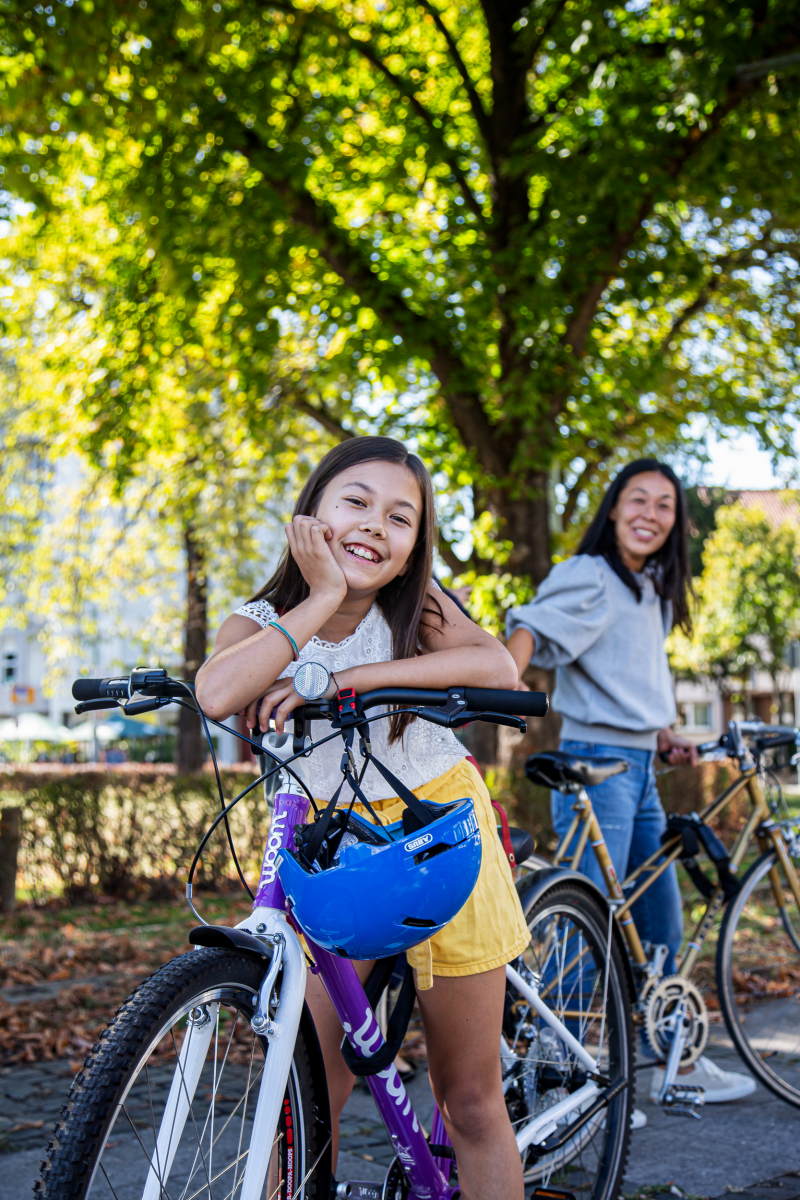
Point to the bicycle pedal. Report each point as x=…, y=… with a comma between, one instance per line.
x=351, y=1189
x=683, y=1100
x=551, y=1194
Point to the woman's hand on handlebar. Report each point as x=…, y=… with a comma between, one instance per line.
x=676, y=750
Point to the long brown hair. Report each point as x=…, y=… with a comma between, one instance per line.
x=407, y=598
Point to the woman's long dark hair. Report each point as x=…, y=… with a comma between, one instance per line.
x=669, y=566
x=408, y=596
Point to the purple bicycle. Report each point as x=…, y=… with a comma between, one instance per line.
x=209, y=1081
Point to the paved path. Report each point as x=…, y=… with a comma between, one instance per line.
x=729, y=1151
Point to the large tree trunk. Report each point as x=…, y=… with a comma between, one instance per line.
x=191, y=745
x=523, y=520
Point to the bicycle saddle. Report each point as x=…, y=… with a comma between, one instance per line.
x=522, y=842
x=557, y=769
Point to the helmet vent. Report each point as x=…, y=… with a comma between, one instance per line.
x=419, y=923
x=431, y=852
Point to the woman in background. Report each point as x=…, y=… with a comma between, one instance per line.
x=600, y=619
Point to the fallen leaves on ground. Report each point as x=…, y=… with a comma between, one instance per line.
x=106, y=965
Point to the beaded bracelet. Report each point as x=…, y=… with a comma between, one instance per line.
x=287, y=635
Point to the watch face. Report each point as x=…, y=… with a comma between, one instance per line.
x=311, y=680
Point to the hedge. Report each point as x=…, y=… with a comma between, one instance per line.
x=133, y=828
x=127, y=829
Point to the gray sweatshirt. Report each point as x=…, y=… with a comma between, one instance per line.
x=613, y=684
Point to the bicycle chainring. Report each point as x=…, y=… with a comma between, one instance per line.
x=396, y=1185
x=658, y=1004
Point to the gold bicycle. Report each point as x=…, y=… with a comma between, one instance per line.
x=757, y=886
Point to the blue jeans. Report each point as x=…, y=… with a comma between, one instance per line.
x=632, y=820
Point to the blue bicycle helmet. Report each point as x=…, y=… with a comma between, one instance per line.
x=380, y=897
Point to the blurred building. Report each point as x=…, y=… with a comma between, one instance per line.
x=24, y=672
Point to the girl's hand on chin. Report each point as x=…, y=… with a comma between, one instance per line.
x=308, y=541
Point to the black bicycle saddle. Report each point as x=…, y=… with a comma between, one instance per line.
x=556, y=768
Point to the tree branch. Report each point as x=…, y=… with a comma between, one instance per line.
x=322, y=415
x=574, y=493
x=406, y=89
x=462, y=398
x=478, y=111
x=537, y=43
x=737, y=258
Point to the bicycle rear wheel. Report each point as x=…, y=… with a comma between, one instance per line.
x=587, y=988
x=758, y=977
x=106, y=1144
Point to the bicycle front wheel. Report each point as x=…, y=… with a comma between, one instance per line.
x=587, y=988
x=145, y=1121
x=758, y=977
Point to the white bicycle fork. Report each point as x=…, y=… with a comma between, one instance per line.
x=281, y=1034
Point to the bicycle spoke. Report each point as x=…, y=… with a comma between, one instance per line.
x=161, y=1183
x=108, y=1181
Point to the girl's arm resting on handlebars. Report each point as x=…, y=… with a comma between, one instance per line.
x=246, y=659
x=246, y=664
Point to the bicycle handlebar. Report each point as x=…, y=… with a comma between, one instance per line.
x=155, y=682
x=498, y=700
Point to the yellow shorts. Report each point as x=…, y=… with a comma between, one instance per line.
x=490, y=929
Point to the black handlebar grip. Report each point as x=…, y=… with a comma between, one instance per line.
x=87, y=689
x=100, y=689
x=517, y=704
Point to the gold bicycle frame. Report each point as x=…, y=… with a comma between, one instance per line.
x=759, y=822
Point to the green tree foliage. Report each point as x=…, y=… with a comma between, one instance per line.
x=569, y=227
x=748, y=598
x=108, y=529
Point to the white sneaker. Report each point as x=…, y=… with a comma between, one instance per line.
x=717, y=1084
x=638, y=1119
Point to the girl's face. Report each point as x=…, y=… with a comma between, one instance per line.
x=643, y=517
x=373, y=511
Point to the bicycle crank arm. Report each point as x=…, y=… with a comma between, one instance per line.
x=556, y=1141
x=280, y=1035
x=680, y=1025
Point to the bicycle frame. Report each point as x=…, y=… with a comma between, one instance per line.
x=759, y=823
x=272, y=923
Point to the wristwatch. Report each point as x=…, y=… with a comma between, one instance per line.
x=312, y=680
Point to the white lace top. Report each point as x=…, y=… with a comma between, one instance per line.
x=423, y=753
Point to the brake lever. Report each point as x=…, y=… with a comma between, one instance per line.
x=493, y=718
x=94, y=705
x=455, y=720
x=143, y=706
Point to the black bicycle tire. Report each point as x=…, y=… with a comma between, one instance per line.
x=567, y=895
x=80, y=1135
x=727, y=1001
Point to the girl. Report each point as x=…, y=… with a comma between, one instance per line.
x=354, y=592
x=600, y=618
